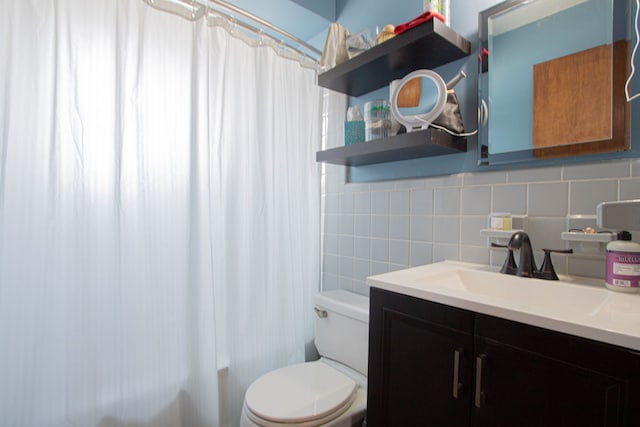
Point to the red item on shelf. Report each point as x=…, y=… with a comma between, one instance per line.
x=420, y=19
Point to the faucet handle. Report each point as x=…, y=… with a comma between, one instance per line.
x=509, y=266
x=547, y=271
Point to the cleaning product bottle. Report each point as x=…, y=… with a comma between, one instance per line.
x=622, y=269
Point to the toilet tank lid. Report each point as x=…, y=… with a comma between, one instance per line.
x=344, y=302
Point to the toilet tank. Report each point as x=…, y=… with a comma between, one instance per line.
x=343, y=333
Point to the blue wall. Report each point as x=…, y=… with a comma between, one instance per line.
x=359, y=14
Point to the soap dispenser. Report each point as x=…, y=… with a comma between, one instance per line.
x=622, y=267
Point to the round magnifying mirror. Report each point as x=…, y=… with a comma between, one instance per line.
x=418, y=99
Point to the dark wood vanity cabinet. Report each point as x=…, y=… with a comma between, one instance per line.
x=528, y=376
x=505, y=373
x=420, y=362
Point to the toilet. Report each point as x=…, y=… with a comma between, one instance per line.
x=331, y=391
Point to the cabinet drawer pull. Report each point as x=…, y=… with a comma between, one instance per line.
x=456, y=373
x=479, y=398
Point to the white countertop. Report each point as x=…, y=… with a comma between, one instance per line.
x=573, y=305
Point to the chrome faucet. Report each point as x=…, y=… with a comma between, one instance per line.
x=527, y=264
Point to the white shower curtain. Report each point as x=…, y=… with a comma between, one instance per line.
x=159, y=215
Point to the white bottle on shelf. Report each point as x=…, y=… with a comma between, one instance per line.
x=439, y=6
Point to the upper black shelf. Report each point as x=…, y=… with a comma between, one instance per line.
x=428, y=45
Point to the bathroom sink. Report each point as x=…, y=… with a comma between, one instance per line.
x=519, y=293
x=574, y=305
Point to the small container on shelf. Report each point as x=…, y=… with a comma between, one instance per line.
x=354, y=126
x=353, y=132
x=501, y=226
x=438, y=6
x=501, y=221
x=377, y=119
x=359, y=42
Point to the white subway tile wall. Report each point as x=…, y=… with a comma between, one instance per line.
x=373, y=228
x=476, y=200
x=548, y=199
x=510, y=198
x=585, y=195
x=630, y=189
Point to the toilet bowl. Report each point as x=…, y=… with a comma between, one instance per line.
x=307, y=394
x=331, y=391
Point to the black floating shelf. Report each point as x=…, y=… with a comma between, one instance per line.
x=424, y=143
x=428, y=45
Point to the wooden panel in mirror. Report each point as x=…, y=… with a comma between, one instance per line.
x=575, y=111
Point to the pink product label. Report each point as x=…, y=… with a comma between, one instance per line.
x=623, y=269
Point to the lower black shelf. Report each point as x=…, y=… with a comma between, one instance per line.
x=424, y=143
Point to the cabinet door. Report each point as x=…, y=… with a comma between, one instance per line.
x=419, y=362
x=533, y=377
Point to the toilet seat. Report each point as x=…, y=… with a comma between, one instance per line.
x=306, y=394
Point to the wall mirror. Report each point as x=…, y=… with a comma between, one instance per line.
x=551, y=79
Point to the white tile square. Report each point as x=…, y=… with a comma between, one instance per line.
x=421, y=253
x=476, y=200
x=363, y=203
x=362, y=248
x=447, y=229
x=380, y=250
x=421, y=228
x=362, y=225
x=380, y=226
x=510, y=198
x=548, y=199
x=380, y=202
x=399, y=202
x=399, y=252
x=422, y=202
x=446, y=201
x=585, y=195
x=399, y=226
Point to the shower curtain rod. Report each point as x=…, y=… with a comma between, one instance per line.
x=214, y=4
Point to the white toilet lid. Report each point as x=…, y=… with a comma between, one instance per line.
x=299, y=393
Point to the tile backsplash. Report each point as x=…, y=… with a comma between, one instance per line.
x=371, y=228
